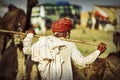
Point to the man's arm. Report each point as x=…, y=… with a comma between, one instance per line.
x=27, y=43
x=79, y=59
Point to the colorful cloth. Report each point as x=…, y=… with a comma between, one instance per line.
x=62, y=25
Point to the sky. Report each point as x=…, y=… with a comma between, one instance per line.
x=86, y=5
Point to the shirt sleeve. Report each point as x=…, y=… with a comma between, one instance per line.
x=27, y=43
x=82, y=61
x=31, y=49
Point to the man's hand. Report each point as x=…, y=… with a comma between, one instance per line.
x=31, y=31
x=102, y=47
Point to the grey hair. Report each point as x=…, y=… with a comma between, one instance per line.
x=60, y=34
x=56, y=33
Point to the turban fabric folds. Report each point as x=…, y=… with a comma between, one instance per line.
x=62, y=25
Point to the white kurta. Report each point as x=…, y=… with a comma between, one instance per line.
x=54, y=56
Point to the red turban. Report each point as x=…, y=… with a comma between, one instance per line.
x=62, y=25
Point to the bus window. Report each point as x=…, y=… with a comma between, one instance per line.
x=56, y=11
x=60, y=9
x=50, y=10
x=72, y=10
x=67, y=10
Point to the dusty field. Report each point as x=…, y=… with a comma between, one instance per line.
x=92, y=36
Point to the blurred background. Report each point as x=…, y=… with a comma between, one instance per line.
x=94, y=21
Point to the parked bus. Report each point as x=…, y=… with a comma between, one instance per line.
x=45, y=14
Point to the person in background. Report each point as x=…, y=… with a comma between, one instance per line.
x=55, y=55
x=89, y=20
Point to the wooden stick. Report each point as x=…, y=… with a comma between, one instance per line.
x=80, y=41
x=71, y=40
x=14, y=32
